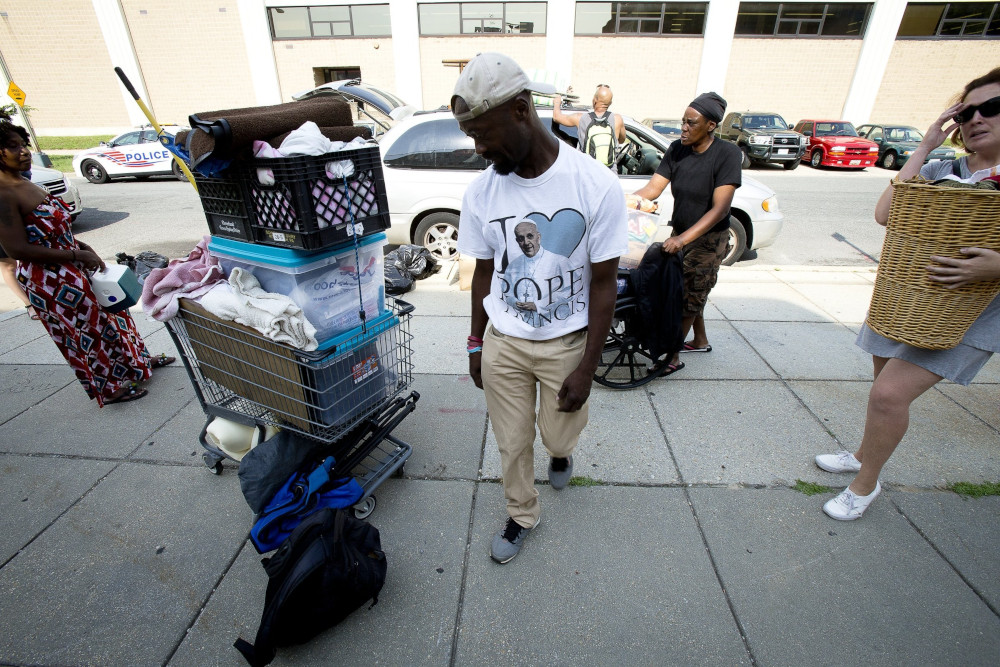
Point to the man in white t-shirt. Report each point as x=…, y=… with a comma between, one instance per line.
x=550, y=343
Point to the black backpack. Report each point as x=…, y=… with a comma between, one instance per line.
x=329, y=566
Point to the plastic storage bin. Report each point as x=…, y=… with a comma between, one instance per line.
x=308, y=206
x=324, y=284
x=352, y=372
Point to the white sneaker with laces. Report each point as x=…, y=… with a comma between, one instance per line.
x=848, y=506
x=842, y=461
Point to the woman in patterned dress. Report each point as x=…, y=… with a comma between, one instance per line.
x=104, y=349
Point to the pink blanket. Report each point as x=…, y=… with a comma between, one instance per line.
x=189, y=278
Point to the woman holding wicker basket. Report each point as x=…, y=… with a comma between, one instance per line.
x=902, y=371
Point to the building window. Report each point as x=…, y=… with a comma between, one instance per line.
x=324, y=22
x=966, y=19
x=802, y=19
x=640, y=18
x=476, y=18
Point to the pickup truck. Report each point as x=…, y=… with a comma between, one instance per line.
x=763, y=137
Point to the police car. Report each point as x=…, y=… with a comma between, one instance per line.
x=137, y=153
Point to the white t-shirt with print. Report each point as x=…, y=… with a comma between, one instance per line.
x=577, y=208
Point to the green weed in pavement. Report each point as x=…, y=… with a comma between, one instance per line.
x=810, y=489
x=976, y=490
x=583, y=481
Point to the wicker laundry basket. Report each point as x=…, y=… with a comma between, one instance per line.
x=927, y=220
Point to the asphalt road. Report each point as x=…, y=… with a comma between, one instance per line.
x=828, y=216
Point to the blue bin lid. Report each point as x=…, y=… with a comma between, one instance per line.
x=291, y=258
x=373, y=327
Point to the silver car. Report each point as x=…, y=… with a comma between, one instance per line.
x=58, y=185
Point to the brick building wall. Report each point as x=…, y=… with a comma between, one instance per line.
x=797, y=78
x=650, y=77
x=923, y=76
x=439, y=80
x=198, y=64
x=297, y=59
x=56, y=54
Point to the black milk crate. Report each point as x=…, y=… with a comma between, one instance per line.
x=320, y=394
x=224, y=201
x=309, y=208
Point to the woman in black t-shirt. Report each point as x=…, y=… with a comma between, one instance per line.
x=703, y=175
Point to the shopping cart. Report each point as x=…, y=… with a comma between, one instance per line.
x=348, y=395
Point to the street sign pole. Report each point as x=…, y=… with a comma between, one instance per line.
x=18, y=95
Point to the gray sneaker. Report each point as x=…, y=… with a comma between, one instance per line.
x=560, y=472
x=508, y=541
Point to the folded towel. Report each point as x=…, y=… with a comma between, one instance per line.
x=276, y=316
x=189, y=277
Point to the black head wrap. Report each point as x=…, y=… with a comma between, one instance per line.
x=710, y=105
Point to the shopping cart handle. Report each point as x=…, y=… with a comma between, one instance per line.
x=405, y=308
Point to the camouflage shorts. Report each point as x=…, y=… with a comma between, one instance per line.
x=702, y=260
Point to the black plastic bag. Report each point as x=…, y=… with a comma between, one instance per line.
x=143, y=263
x=396, y=281
x=414, y=260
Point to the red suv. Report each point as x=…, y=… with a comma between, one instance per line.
x=835, y=143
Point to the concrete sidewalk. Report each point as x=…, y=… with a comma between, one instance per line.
x=118, y=547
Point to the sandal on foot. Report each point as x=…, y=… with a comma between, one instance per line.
x=132, y=393
x=688, y=347
x=664, y=369
x=161, y=360
x=32, y=313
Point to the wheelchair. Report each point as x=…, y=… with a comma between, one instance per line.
x=625, y=363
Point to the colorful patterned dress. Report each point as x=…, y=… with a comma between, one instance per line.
x=103, y=349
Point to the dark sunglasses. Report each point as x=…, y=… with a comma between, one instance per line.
x=987, y=109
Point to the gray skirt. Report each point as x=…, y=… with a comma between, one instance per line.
x=959, y=364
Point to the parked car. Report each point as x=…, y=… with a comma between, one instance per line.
x=763, y=137
x=58, y=186
x=137, y=153
x=428, y=162
x=897, y=142
x=835, y=143
x=670, y=128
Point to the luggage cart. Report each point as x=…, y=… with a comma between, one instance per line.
x=348, y=396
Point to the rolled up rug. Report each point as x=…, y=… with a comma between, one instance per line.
x=223, y=134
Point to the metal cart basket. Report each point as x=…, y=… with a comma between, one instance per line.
x=347, y=396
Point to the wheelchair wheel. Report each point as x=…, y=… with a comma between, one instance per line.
x=624, y=362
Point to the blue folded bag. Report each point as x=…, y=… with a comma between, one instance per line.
x=303, y=494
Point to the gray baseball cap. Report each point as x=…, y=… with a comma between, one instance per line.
x=489, y=80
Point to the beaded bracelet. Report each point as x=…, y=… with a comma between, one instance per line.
x=473, y=350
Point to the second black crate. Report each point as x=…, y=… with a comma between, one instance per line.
x=313, y=202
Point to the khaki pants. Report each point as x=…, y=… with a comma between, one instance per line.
x=512, y=368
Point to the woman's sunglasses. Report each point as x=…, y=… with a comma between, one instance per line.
x=987, y=109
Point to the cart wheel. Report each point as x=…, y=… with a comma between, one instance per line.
x=398, y=474
x=213, y=462
x=364, y=509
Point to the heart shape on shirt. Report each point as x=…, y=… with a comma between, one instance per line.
x=562, y=232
